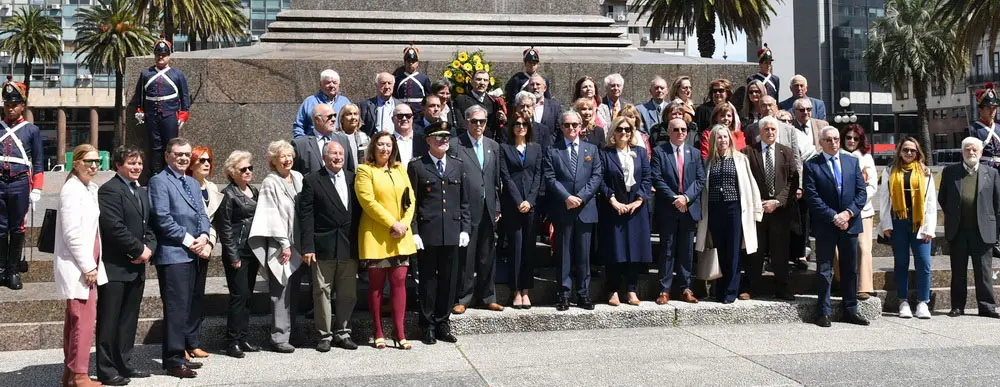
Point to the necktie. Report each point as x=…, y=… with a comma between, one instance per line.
x=837, y=174
x=135, y=193
x=326, y=140
x=572, y=157
x=680, y=168
x=769, y=168
x=441, y=168
x=187, y=189
x=479, y=153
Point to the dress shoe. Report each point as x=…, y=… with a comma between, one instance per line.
x=429, y=338
x=181, y=372
x=345, y=343
x=563, y=304
x=247, y=347
x=458, y=309
x=688, y=296
x=445, y=335
x=864, y=296
x=663, y=299
x=613, y=300
x=585, y=303
x=235, y=351
x=135, y=374
x=990, y=314
x=801, y=265
x=193, y=365
x=823, y=321
x=14, y=283
x=494, y=307
x=955, y=312
x=283, y=348
x=856, y=319
x=744, y=296
x=634, y=302
x=727, y=301
x=82, y=380
x=198, y=352
x=117, y=380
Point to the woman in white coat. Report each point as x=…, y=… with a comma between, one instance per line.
x=78, y=266
x=857, y=145
x=731, y=208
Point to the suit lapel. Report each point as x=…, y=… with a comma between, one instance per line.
x=981, y=182
x=133, y=198
x=331, y=190
x=180, y=188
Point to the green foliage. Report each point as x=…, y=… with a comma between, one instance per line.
x=734, y=16
x=29, y=34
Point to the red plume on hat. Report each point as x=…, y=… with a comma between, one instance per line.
x=987, y=95
x=764, y=54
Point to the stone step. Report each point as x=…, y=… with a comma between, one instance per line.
x=365, y=27
x=379, y=17
x=940, y=299
x=456, y=39
x=46, y=335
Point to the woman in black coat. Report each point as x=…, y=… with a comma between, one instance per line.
x=521, y=173
x=233, y=220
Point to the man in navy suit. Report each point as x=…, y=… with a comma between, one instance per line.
x=834, y=191
x=572, y=176
x=182, y=227
x=799, y=88
x=652, y=110
x=547, y=110
x=678, y=208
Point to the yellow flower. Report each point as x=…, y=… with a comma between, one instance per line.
x=493, y=81
x=460, y=78
x=447, y=73
x=467, y=67
x=486, y=67
x=479, y=67
x=459, y=89
x=463, y=56
x=476, y=58
x=455, y=64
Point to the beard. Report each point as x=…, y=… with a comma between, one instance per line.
x=971, y=161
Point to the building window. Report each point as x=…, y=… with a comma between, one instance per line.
x=977, y=66
x=633, y=30
x=940, y=141
x=902, y=93
x=938, y=88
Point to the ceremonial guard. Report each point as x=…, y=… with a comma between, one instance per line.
x=520, y=81
x=411, y=85
x=21, y=180
x=986, y=128
x=769, y=79
x=162, y=92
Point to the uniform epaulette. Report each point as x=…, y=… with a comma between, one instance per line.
x=453, y=157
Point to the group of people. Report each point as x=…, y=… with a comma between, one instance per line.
x=397, y=180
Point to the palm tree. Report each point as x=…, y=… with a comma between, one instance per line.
x=699, y=16
x=974, y=20
x=223, y=20
x=908, y=45
x=30, y=34
x=106, y=34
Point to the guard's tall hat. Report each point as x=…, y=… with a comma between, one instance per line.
x=531, y=54
x=987, y=96
x=411, y=54
x=764, y=54
x=14, y=91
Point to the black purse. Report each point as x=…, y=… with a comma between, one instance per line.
x=47, y=234
x=882, y=240
x=405, y=201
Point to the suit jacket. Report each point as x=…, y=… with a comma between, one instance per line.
x=820, y=193
x=175, y=216
x=443, y=202
x=214, y=201
x=987, y=201
x=484, y=182
x=369, y=114
x=125, y=229
x=77, y=230
x=309, y=158
x=604, y=110
x=466, y=101
x=328, y=224
x=786, y=179
x=543, y=135
x=650, y=113
x=233, y=221
x=561, y=182
x=663, y=171
x=420, y=123
x=818, y=112
x=522, y=181
x=551, y=113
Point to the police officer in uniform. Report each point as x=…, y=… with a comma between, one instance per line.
x=411, y=85
x=765, y=75
x=441, y=225
x=520, y=81
x=162, y=101
x=21, y=179
x=986, y=128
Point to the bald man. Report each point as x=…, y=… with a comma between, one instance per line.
x=377, y=112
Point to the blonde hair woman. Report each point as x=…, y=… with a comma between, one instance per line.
x=349, y=123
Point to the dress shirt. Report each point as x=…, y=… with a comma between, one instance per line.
x=477, y=96
x=628, y=167
x=539, y=111
x=384, y=114
x=322, y=140
x=569, y=148
x=971, y=170
x=405, y=147
x=340, y=183
x=807, y=130
x=477, y=146
x=435, y=160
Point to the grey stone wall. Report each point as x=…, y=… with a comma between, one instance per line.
x=551, y=7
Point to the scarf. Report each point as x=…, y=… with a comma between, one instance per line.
x=918, y=186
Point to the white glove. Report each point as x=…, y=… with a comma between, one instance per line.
x=419, y=242
x=463, y=239
x=141, y=117
x=35, y=195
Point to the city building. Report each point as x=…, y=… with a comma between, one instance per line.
x=672, y=41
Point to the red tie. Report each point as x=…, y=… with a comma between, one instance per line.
x=680, y=168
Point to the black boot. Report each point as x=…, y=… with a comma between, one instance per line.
x=14, y=253
x=4, y=257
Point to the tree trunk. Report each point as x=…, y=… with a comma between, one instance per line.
x=27, y=76
x=204, y=41
x=119, y=125
x=705, y=29
x=168, y=21
x=920, y=93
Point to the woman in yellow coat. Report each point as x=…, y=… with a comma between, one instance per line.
x=385, y=241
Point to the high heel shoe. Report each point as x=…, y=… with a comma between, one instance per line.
x=525, y=302
x=613, y=300
x=403, y=344
x=380, y=343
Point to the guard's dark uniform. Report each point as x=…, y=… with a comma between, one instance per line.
x=519, y=82
x=989, y=133
x=411, y=88
x=162, y=101
x=770, y=81
x=442, y=213
x=21, y=175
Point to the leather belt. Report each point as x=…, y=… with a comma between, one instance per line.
x=163, y=98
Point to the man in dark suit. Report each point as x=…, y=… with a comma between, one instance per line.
x=128, y=242
x=547, y=110
x=477, y=268
x=679, y=208
x=327, y=210
x=572, y=177
x=181, y=227
x=835, y=194
x=799, y=88
x=377, y=111
x=970, y=199
x=431, y=113
x=495, y=118
x=773, y=166
x=309, y=149
x=441, y=228
x=651, y=111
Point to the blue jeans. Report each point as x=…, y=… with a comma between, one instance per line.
x=904, y=240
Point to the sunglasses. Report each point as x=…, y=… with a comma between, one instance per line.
x=404, y=116
x=718, y=90
x=442, y=138
x=907, y=150
x=831, y=140
x=205, y=161
x=520, y=125
x=476, y=121
x=623, y=129
x=571, y=124
x=182, y=154
x=852, y=138
x=92, y=162
x=787, y=121
x=680, y=130
x=331, y=116
x=755, y=91
x=248, y=168
x=804, y=109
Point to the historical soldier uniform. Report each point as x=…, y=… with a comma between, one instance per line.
x=986, y=127
x=411, y=87
x=770, y=80
x=442, y=215
x=21, y=180
x=162, y=102
x=519, y=82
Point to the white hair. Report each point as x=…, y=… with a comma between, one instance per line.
x=329, y=74
x=523, y=95
x=822, y=132
x=475, y=108
x=799, y=77
x=379, y=75
x=974, y=141
x=614, y=78
x=768, y=121
x=801, y=103
x=656, y=79
x=572, y=113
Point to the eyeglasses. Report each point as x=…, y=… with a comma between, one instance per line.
x=248, y=168
x=442, y=138
x=520, y=125
x=404, y=116
x=831, y=140
x=181, y=154
x=754, y=91
x=623, y=129
x=92, y=162
x=205, y=161
x=852, y=138
x=908, y=150
x=680, y=130
x=718, y=90
x=805, y=109
x=477, y=121
x=786, y=120
x=571, y=124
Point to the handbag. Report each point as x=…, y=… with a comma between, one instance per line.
x=708, y=265
x=47, y=235
x=882, y=240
